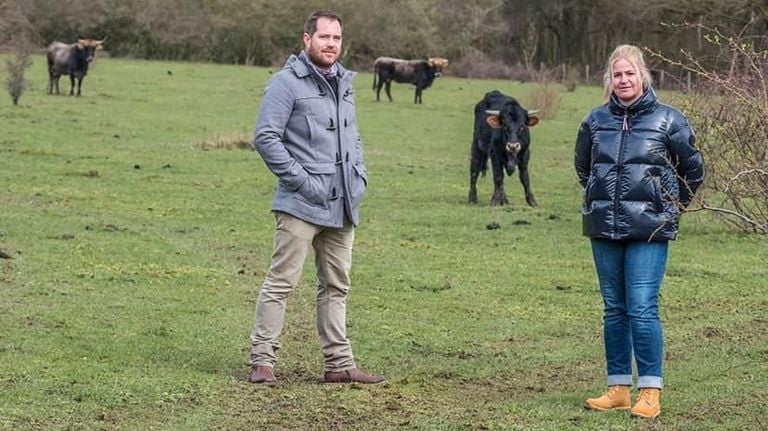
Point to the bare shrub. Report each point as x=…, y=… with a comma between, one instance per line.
x=477, y=65
x=571, y=80
x=17, y=65
x=544, y=95
x=728, y=108
x=239, y=141
x=15, y=38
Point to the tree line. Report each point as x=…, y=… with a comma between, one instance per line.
x=471, y=33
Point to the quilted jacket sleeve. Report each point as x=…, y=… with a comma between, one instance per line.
x=582, y=159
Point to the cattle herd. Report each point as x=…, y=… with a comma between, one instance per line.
x=501, y=131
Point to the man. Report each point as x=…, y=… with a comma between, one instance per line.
x=306, y=132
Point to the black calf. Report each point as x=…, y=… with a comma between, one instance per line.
x=501, y=134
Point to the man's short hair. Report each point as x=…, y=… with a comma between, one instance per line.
x=310, y=26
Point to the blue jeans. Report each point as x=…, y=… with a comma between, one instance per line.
x=630, y=275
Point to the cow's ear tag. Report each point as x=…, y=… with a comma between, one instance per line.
x=533, y=120
x=493, y=121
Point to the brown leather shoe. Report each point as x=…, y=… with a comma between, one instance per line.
x=353, y=375
x=263, y=375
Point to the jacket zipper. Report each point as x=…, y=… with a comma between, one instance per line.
x=619, y=171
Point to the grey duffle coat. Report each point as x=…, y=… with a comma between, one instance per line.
x=307, y=135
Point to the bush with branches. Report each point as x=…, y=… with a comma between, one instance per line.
x=545, y=95
x=728, y=108
x=16, y=35
x=16, y=66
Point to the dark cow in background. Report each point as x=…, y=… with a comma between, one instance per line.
x=501, y=135
x=70, y=59
x=420, y=73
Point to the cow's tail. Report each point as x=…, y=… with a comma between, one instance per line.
x=483, y=167
x=482, y=163
x=375, y=74
x=49, y=57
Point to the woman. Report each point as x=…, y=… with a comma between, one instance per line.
x=635, y=158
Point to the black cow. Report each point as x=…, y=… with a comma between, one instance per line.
x=70, y=59
x=420, y=73
x=501, y=134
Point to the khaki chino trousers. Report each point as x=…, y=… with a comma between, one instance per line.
x=333, y=260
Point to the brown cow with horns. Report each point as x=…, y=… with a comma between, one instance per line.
x=70, y=59
x=420, y=73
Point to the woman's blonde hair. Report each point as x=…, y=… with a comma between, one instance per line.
x=632, y=54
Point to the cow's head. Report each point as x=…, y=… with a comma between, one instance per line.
x=437, y=63
x=87, y=48
x=512, y=121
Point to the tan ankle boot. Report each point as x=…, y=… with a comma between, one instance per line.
x=648, y=405
x=617, y=397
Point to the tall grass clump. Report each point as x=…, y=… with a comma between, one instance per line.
x=226, y=141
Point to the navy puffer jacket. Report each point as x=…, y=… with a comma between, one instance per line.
x=638, y=165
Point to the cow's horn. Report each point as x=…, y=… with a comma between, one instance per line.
x=489, y=112
x=533, y=111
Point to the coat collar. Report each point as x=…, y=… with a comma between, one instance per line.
x=647, y=102
x=301, y=67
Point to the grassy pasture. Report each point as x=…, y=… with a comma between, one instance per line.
x=137, y=252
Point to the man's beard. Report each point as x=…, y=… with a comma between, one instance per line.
x=319, y=60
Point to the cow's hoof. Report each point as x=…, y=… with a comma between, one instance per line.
x=499, y=198
x=532, y=202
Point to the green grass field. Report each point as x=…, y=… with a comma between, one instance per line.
x=137, y=254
